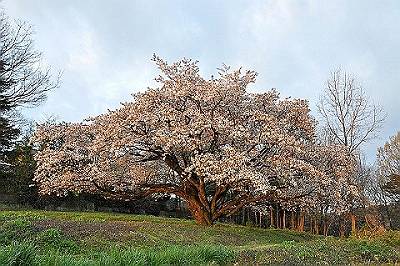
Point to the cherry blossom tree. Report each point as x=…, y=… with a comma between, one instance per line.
x=207, y=141
x=388, y=161
x=323, y=198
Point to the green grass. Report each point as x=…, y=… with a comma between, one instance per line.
x=26, y=254
x=98, y=229
x=329, y=251
x=87, y=238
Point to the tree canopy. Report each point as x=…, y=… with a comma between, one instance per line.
x=208, y=141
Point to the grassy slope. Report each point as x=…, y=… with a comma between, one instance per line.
x=118, y=239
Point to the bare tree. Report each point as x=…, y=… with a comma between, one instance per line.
x=349, y=117
x=24, y=79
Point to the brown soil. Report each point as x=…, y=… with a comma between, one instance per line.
x=114, y=230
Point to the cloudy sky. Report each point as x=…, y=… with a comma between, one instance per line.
x=104, y=47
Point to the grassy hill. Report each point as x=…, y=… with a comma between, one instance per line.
x=84, y=238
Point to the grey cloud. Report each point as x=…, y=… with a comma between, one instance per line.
x=105, y=47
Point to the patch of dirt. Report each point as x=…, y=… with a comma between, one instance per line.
x=113, y=230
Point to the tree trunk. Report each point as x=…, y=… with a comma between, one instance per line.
x=353, y=223
x=342, y=228
x=284, y=219
x=316, y=225
x=311, y=224
x=300, y=226
x=325, y=227
x=277, y=217
x=292, y=223
x=271, y=212
x=388, y=221
x=201, y=216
